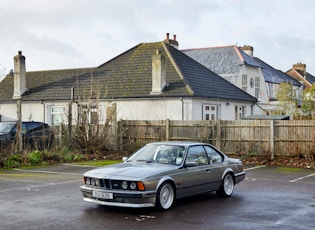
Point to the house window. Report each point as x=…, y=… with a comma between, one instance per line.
x=257, y=86
x=89, y=114
x=57, y=115
x=244, y=82
x=239, y=112
x=210, y=112
x=268, y=90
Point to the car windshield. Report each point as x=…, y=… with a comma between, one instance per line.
x=159, y=153
x=6, y=127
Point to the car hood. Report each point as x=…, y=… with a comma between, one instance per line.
x=135, y=171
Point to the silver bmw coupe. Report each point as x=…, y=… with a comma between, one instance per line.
x=161, y=172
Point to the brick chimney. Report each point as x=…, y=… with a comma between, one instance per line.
x=249, y=50
x=19, y=74
x=158, y=73
x=172, y=42
x=300, y=67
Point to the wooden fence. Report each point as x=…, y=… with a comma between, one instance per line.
x=272, y=138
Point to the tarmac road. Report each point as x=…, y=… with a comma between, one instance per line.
x=49, y=198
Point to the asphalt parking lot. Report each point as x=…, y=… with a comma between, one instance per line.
x=49, y=198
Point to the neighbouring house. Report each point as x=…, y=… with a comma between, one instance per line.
x=298, y=72
x=239, y=66
x=150, y=81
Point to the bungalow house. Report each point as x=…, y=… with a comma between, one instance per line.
x=150, y=81
x=249, y=73
x=298, y=72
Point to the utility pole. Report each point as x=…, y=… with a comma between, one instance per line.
x=19, y=126
x=19, y=74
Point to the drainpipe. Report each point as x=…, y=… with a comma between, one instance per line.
x=182, y=108
x=70, y=113
x=44, y=111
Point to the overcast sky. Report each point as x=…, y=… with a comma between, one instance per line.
x=59, y=34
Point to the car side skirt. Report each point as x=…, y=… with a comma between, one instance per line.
x=239, y=177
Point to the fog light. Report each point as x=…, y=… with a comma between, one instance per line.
x=124, y=184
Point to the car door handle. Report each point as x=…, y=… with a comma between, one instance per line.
x=207, y=170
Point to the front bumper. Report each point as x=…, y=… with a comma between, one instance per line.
x=132, y=199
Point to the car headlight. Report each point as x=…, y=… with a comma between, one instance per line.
x=133, y=185
x=88, y=181
x=124, y=184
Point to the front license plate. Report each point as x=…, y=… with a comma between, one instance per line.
x=103, y=195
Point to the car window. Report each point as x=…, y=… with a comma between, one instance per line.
x=6, y=127
x=213, y=155
x=159, y=153
x=33, y=126
x=170, y=155
x=24, y=128
x=197, y=155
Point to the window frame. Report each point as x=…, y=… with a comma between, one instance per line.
x=244, y=82
x=57, y=113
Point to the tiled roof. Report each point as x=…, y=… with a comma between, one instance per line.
x=129, y=75
x=310, y=78
x=206, y=83
x=42, y=85
x=275, y=76
x=299, y=76
x=226, y=60
x=132, y=74
x=222, y=60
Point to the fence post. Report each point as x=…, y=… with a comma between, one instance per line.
x=167, y=129
x=272, y=140
x=218, y=134
x=120, y=134
x=60, y=134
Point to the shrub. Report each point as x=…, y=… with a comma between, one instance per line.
x=35, y=157
x=13, y=161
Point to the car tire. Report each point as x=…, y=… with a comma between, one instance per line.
x=165, y=196
x=227, y=186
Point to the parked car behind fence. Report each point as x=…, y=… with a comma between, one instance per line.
x=34, y=134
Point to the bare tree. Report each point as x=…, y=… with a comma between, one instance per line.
x=287, y=98
x=93, y=133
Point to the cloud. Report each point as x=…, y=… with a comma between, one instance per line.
x=79, y=33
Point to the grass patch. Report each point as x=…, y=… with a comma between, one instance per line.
x=288, y=170
x=98, y=163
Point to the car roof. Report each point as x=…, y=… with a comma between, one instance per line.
x=179, y=143
x=14, y=122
